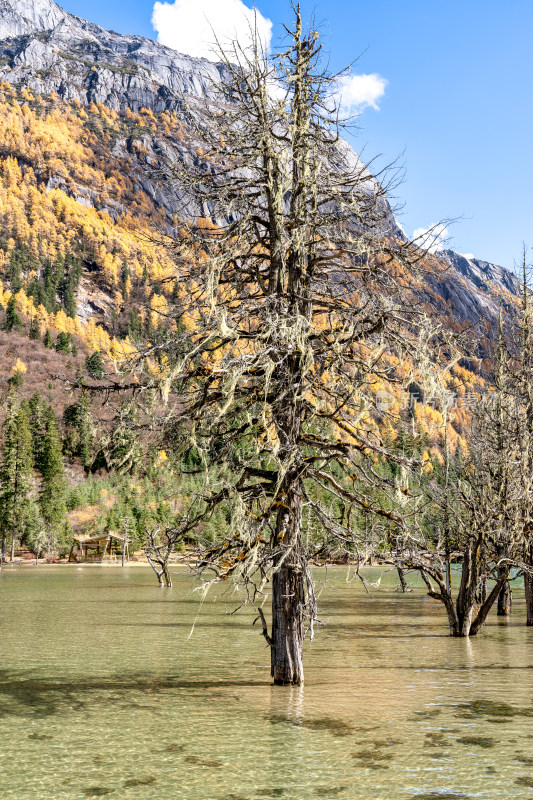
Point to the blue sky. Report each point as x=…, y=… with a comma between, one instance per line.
x=457, y=102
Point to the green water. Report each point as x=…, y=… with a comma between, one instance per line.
x=106, y=690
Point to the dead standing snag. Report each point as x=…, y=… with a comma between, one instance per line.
x=290, y=298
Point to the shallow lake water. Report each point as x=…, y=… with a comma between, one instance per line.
x=111, y=686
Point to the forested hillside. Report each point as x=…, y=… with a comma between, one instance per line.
x=85, y=269
x=109, y=262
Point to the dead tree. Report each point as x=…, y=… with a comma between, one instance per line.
x=158, y=549
x=483, y=525
x=523, y=380
x=291, y=296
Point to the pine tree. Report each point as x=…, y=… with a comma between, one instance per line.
x=12, y=320
x=15, y=270
x=63, y=342
x=38, y=411
x=95, y=366
x=15, y=472
x=53, y=489
x=68, y=285
x=79, y=438
x=34, y=332
x=48, y=341
x=122, y=453
x=135, y=325
x=34, y=533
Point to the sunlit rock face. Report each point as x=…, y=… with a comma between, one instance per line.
x=47, y=49
x=19, y=17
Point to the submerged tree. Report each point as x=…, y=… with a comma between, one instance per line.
x=290, y=297
x=159, y=546
x=481, y=509
x=522, y=377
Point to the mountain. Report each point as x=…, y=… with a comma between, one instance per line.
x=28, y=16
x=51, y=50
x=71, y=64
x=88, y=120
x=473, y=289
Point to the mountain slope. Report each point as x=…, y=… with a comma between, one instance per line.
x=51, y=50
x=78, y=70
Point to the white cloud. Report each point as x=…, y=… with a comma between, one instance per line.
x=359, y=91
x=192, y=26
x=467, y=255
x=433, y=238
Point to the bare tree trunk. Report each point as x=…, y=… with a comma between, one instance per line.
x=403, y=582
x=466, y=596
x=12, y=548
x=481, y=594
x=161, y=573
x=528, y=586
x=3, y=553
x=483, y=612
x=287, y=625
x=157, y=572
x=505, y=600
x=288, y=596
x=168, y=579
x=445, y=597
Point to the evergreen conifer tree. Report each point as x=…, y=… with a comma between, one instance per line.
x=122, y=452
x=68, y=285
x=34, y=533
x=34, y=332
x=95, y=366
x=38, y=411
x=15, y=472
x=79, y=438
x=63, y=344
x=48, y=341
x=53, y=489
x=15, y=270
x=12, y=320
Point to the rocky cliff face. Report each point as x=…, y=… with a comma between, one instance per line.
x=28, y=16
x=472, y=289
x=49, y=50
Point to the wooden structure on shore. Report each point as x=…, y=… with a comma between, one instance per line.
x=104, y=547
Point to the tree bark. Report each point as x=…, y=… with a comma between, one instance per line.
x=403, y=582
x=162, y=572
x=505, y=600
x=466, y=595
x=168, y=579
x=528, y=586
x=472, y=592
x=288, y=596
x=287, y=625
x=482, y=592
x=12, y=549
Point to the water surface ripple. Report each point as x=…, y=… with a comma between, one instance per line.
x=110, y=686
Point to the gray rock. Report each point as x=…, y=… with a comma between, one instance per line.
x=47, y=49
x=19, y=17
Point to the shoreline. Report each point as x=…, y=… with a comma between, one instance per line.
x=144, y=563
